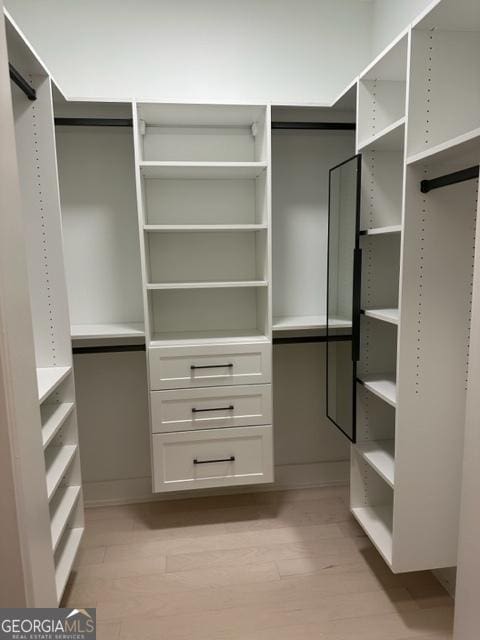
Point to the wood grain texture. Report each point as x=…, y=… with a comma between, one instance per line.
x=260, y=566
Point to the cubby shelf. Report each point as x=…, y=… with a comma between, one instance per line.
x=65, y=501
x=176, y=228
x=66, y=558
x=53, y=418
x=48, y=379
x=396, y=228
x=57, y=462
x=199, y=170
x=207, y=337
x=386, y=315
x=380, y=455
x=377, y=523
x=382, y=385
x=293, y=323
x=107, y=330
x=206, y=285
x=464, y=143
x=389, y=139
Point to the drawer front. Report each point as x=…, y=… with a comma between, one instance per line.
x=212, y=458
x=211, y=408
x=212, y=365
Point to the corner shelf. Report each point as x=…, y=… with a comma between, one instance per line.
x=57, y=462
x=299, y=323
x=199, y=170
x=380, y=455
x=66, y=557
x=107, y=330
x=382, y=230
x=377, y=522
x=65, y=501
x=162, y=286
x=48, y=379
x=382, y=385
x=199, y=228
x=391, y=316
x=54, y=417
x=391, y=138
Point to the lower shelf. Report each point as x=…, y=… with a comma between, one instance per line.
x=207, y=337
x=65, y=557
x=383, y=385
x=57, y=462
x=61, y=508
x=48, y=379
x=377, y=524
x=380, y=455
x=294, y=323
x=107, y=330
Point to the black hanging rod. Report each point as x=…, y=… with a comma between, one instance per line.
x=451, y=178
x=325, y=126
x=21, y=83
x=94, y=122
x=109, y=349
x=306, y=339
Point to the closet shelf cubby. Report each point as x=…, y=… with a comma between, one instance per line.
x=391, y=138
x=380, y=455
x=61, y=509
x=107, y=330
x=377, y=231
x=49, y=378
x=54, y=417
x=57, y=462
x=382, y=385
x=377, y=522
x=201, y=170
x=386, y=315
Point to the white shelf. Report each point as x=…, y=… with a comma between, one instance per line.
x=450, y=149
x=199, y=170
x=389, y=139
x=397, y=228
x=179, y=228
x=386, y=315
x=57, y=462
x=208, y=337
x=298, y=323
x=66, y=558
x=53, y=418
x=380, y=455
x=377, y=523
x=48, y=379
x=207, y=285
x=65, y=501
x=107, y=330
x=382, y=385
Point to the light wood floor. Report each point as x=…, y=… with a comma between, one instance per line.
x=265, y=566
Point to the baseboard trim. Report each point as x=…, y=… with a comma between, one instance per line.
x=288, y=476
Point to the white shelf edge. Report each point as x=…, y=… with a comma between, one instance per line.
x=106, y=331
x=159, y=169
x=299, y=323
x=206, y=285
x=66, y=559
x=372, y=520
x=382, y=385
x=395, y=228
x=392, y=128
x=200, y=228
x=56, y=416
x=379, y=454
x=62, y=458
x=176, y=338
x=66, y=504
x=181, y=164
x=392, y=316
x=49, y=378
x=444, y=147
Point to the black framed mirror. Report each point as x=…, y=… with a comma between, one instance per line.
x=343, y=294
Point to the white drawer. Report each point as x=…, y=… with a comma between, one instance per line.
x=211, y=365
x=211, y=408
x=212, y=458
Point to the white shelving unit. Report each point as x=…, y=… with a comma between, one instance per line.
x=58, y=437
x=416, y=256
x=203, y=193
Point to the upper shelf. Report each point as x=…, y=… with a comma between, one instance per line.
x=107, y=330
x=48, y=379
x=382, y=385
x=240, y=336
x=450, y=149
x=299, y=323
x=380, y=455
x=228, y=284
x=199, y=170
x=397, y=228
x=386, y=315
x=391, y=138
x=176, y=228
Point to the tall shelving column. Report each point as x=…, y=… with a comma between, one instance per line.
x=203, y=191
x=34, y=131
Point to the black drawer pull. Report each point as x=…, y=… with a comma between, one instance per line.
x=229, y=408
x=230, y=459
x=211, y=366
